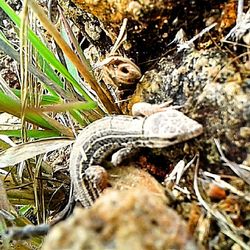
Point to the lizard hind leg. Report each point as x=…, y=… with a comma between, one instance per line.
x=98, y=179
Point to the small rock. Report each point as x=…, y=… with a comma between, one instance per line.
x=133, y=219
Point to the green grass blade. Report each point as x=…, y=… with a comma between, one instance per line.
x=36, y=134
x=45, y=99
x=13, y=107
x=53, y=88
x=44, y=51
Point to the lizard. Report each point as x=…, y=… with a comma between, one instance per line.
x=165, y=127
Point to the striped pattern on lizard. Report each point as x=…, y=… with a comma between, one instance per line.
x=107, y=135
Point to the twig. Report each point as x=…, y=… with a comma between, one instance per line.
x=27, y=232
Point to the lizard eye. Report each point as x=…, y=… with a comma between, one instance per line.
x=172, y=139
x=124, y=70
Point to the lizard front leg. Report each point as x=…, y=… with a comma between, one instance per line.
x=147, y=109
x=139, y=109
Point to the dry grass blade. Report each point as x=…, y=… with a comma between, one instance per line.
x=188, y=44
x=243, y=173
x=7, y=212
x=6, y=209
x=216, y=179
x=73, y=40
x=178, y=171
x=121, y=37
x=242, y=24
x=221, y=219
x=62, y=107
x=227, y=227
x=24, y=66
x=245, y=54
x=28, y=150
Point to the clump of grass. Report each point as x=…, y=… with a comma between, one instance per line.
x=48, y=87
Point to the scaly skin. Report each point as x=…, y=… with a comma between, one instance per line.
x=104, y=136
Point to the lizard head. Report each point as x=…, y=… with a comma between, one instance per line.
x=170, y=127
